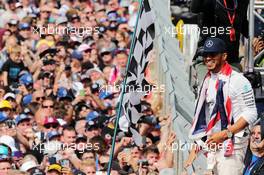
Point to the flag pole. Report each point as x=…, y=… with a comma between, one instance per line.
x=123, y=92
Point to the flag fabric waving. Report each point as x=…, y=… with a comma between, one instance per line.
x=139, y=58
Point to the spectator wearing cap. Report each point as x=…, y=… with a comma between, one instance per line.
x=92, y=129
x=61, y=24
x=99, y=11
x=23, y=123
x=29, y=163
x=81, y=144
x=13, y=66
x=106, y=58
x=10, y=13
x=54, y=169
x=24, y=31
x=74, y=18
x=13, y=26
x=11, y=97
x=85, y=49
x=50, y=124
x=3, y=119
x=104, y=21
x=53, y=135
x=95, y=75
x=6, y=107
x=82, y=110
x=45, y=12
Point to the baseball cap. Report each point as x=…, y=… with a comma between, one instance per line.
x=52, y=134
x=93, y=70
x=9, y=95
x=112, y=15
x=51, y=51
x=61, y=122
x=37, y=171
x=26, y=79
x=77, y=55
x=84, y=47
x=56, y=167
x=13, y=21
x=92, y=116
x=99, y=8
x=27, y=111
x=63, y=93
x=23, y=26
x=27, y=99
x=125, y=3
x=73, y=16
x=81, y=137
x=9, y=141
x=91, y=125
x=121, y=50
x=61, y=20
x=50, y=120
x=21, y=118
x=214, y=45
x=3, y=117
x=5, y=104
x=19, y=4
x=105, y=50
x=11, y=1
x=105, y=94
x=4, y=150
x=80, y=105
x=28, y=165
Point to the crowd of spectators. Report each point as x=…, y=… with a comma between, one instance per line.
x=56, y=114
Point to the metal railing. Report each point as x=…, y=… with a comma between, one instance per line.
x=253, y=6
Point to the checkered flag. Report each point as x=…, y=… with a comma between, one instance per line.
x=136, y=83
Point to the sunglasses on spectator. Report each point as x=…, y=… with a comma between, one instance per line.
x=91, y=12
x=45, y=11
x=51, y=126
x=5, y=109
x=75, y=20
x=38, y=98
x=12, y=25
x=51, y=106
x=88, y=51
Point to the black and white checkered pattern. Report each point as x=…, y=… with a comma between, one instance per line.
x=144, y=39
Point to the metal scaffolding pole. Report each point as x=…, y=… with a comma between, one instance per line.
x=250, y=66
